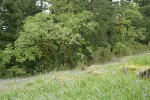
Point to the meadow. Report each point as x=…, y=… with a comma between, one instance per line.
x=108, y=81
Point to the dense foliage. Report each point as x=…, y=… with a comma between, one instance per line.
x=74, y=32
x=12, y=15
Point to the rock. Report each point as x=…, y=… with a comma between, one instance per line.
x=144, y=73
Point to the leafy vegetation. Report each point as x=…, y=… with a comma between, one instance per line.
x=73, y=33
x=42, y=36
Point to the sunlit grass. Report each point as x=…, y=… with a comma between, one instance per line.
x=98, y=82
x=142, y=60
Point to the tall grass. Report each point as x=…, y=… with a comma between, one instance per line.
x=86, y=87
x=109, y=84
x=142, y=60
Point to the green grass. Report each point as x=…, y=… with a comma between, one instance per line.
x=142, y=60
x=97, y=82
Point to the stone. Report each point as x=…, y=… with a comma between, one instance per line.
x=144, y=73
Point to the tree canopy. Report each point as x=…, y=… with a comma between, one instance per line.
x=74, y=32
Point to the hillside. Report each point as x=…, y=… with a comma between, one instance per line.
x=109, y=81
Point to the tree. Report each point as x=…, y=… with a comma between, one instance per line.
x=12, y=14
x=64, y=6
x=104, y=13
x=126, y=30
x=145, y=23
x=58, y=40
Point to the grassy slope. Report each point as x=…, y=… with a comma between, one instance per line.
x=98, y=82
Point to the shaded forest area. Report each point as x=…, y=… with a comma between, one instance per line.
x=75, y=32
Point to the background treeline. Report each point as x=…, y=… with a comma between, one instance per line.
x=75, y=32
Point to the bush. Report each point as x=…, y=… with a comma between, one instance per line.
x=15, y=71
x=102, y=55
x=121, y=49
x=139, y=48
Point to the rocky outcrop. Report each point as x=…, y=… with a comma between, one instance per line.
x=144, y=73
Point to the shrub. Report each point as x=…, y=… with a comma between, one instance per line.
x=121, y=49
x=101, y=55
